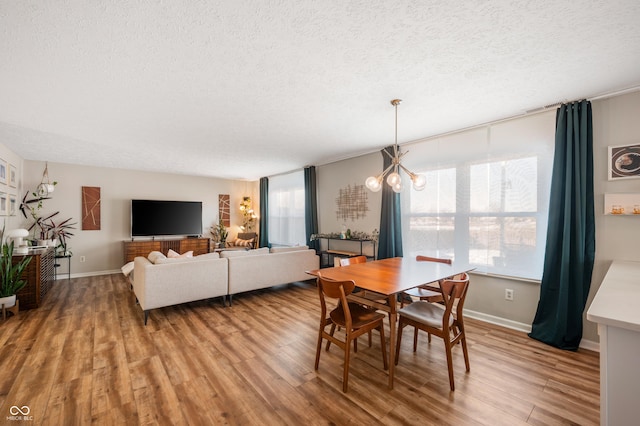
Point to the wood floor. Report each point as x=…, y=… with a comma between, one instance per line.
x=85, y=356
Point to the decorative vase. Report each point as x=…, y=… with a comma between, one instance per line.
x=8, y=301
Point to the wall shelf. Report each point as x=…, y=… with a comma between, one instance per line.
x=622, y=204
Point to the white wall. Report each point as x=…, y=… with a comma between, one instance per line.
x=103, y=249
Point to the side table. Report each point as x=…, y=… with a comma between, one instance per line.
x=57, y=265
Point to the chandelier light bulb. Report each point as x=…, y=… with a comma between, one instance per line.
x=393, y=178
x=373, y=183
x=419, y=182
x=397, y=187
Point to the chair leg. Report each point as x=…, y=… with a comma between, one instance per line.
x=345, y=373
x=447, y=347
x=319, y=348
x=369, y=338
x=415, y=338
x=333, y=329
x=383, y=346
x=399, y=339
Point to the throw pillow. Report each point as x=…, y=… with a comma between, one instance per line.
x=154, y=256
x=173, y=255
x=239, y=242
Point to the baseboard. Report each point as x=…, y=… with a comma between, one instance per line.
x=64, y=276
x=491, y=319
x=519, y=326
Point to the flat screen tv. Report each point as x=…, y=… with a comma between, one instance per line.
x=157, y=218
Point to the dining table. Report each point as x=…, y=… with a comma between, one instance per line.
x=388, y=278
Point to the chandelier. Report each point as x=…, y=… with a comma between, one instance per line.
x=374, y=183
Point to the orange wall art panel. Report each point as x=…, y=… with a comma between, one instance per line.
x=90, y=208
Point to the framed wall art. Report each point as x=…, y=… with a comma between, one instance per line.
x=4, y=203
x=13, y=205
x=3, y=171
x=90, y=208
x=624, y=162
x=13, y=176
x=224, y=209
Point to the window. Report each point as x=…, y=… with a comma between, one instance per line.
x=486, y=198
x=286, y=209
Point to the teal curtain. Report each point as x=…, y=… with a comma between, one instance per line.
x=264, y=212
x=310, y=206
x=390, y=238
x=570, y=248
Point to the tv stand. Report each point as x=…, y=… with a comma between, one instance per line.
x=132, y=249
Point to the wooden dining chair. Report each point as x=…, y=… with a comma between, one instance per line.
x=429, y=292
x=444, y=321
x=353, y=318
x=369, y=295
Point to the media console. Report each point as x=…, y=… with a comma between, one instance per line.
x=135, y=248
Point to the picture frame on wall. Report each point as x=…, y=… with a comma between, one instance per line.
x=13, y=176
x=13, y=205
x=4, y=203
x=624, y=162
x=3, y=171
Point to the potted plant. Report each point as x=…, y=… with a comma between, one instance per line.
x=219, y=233
x=58, y=232
x=11, y=280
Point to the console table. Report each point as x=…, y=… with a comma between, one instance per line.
x=135, y=248
x=339, y=248
x=39, y=275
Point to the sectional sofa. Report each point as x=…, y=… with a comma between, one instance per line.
x=159, y=281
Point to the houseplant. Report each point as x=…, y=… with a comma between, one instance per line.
x=11, y=280
x=58, y=231
x=219, y=233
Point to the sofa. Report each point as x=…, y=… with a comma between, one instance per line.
x=159, y=281
x=262, y=268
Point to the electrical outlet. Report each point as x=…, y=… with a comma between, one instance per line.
x=82, y=259
x=508, y=294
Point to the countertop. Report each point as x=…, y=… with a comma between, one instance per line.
x=617, y=302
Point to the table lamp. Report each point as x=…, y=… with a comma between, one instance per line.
x=19, y=245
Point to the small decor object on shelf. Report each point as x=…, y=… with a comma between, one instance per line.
x=636, y=209
x=624, y=162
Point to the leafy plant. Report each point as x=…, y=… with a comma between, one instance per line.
x=33, y=206
x=58, y=230
x=219, y=232
x=11, y=280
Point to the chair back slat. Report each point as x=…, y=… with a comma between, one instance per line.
x=454, y=292
x=433, y=259
x=346, y=261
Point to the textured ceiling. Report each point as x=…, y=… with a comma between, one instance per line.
x=244, y=89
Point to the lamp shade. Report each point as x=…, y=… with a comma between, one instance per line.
x=17, y=233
